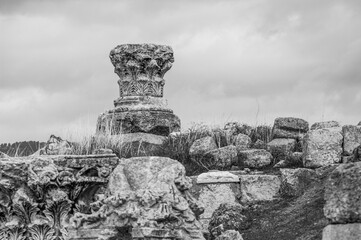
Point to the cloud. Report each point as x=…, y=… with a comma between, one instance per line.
x=250, y=61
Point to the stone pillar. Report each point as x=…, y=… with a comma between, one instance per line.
x=140, y=106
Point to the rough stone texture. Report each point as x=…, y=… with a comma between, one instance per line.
x=217, y=177
x=202, y=145
x=292, y=160
x=281, y=147
x=229, y=217
x=138, y=144
x=342, y=232
x=322, y=147
x=356, y=154
x=120, y=121
x=342, y=194
x=140, y=107
x=235, y=128
x=351, y=138
x=259, y=144
x=256, y=188
x=254, y=158
x=47, y=190
x=101, y=151
x=221, y=158
x=230, y=235
x=149, y=195
x=296, y=181
x=242, y=142
x=327, y=124
x=55, y=146
x=289, y=128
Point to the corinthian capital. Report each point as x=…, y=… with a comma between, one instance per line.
x=141, y=68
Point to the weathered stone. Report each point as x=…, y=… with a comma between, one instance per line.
x=296, y=181
x=292, y=160
x=327, y=124
x=289, y=128
x=217, y=177
x=145, y=194
x=342, y=232
x=138, y=144
x=351, y=138
x=230, y=235
x=140, y=107
x=280, y=148
x=221, y=158
x=55, y=146
x=357, y=154
x=235, y=128
x=322, y=147
x=202, y=145
x=254, y=158
x=229, y=217
x=342, y=194
x=281, y=164
x=359, y=123
x=259, y=144
x=242, y=142
x=256, y=188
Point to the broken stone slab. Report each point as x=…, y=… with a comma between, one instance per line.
x=256, y=188
x=295, y=181
x=322, y=147
x=289, y=127
x=202, y=146
x=254, y=158
x=221, y=158
x=280, y=148
x=55, y=146
x=350, y=231
x=259, y=144
x=342, y=194
x=351, y=138
x=326, y=124
x=229, y=216
x=217, y=177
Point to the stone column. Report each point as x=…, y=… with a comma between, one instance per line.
x=140, y=106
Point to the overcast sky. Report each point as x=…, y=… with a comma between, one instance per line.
x=249, y=61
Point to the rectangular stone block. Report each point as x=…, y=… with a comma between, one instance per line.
x=351, y=138
x=342, y=232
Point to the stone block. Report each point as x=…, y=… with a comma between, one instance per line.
x=296, y=181
x=351, y=138
x=221, y=158
x=342, y=194
x=289, y=127
x=280, y=148
x=202, y=145
x=326, y=124
x=217, y=177
x=259, y=187
x=242, y=142
x=342, y=232
x=254, y=158
x=322, y=147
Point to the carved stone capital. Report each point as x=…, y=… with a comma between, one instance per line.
x=141, y=68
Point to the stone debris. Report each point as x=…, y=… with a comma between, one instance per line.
x=256, y=188
x=322, y=147
x=351, y=138
x=254, y=158
x=280, y=148
x=55, y=146
x=217, y=177
x=229, y=217
x=327, y=124
x=221, y=158
x=295, y=181
x=242, y=142
x=202, y=146
x=342, y=194
x=289, y=127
